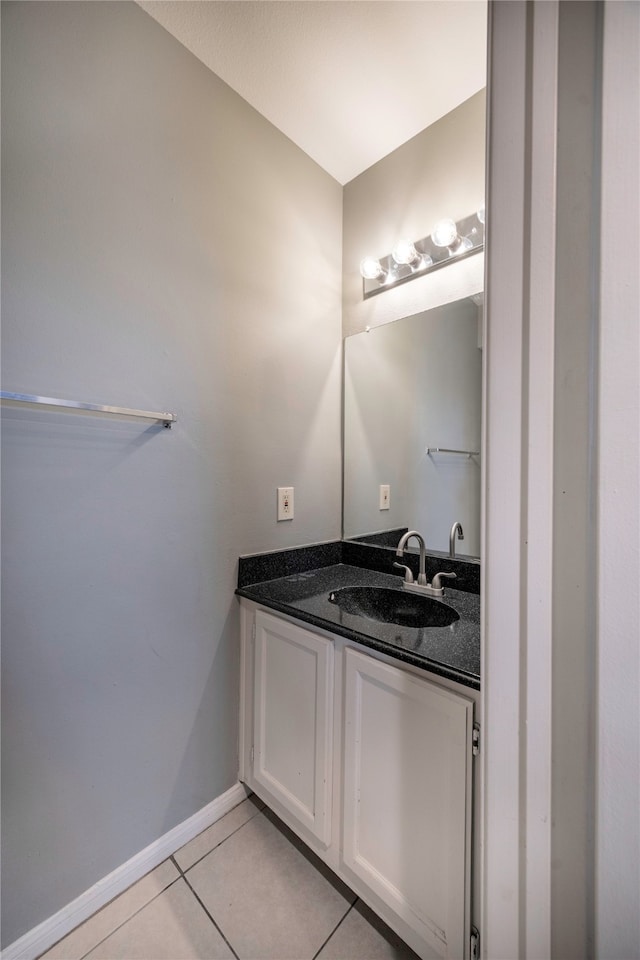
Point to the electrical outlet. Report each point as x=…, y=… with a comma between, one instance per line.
x=285, y=503
x=385, y=496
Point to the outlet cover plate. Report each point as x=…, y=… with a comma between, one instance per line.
x=285, y=503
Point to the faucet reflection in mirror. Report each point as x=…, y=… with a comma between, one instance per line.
x=456, y=528
x=448, y=241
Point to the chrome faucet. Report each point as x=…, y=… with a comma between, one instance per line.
x=404, y=539
x=456, y=528
x=435, y=588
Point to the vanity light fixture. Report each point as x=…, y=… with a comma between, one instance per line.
x=371, y=269
x=445, y=234
x=449, y=240
x=405, y=254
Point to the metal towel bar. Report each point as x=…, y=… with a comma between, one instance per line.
x=166, y=418
x=466, y=453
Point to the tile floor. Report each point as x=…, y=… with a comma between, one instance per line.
x=246, y=888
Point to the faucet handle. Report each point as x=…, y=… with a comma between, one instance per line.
x=408, y=576
x=436, y=584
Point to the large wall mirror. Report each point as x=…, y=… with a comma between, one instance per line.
x=412, y=386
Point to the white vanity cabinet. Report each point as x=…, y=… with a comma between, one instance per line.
x=406, y=798
x=370, y=762
x=293, y=723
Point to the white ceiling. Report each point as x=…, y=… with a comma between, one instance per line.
x=347, y=80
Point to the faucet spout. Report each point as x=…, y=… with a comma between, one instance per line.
x=456, y=528
x=404, y=539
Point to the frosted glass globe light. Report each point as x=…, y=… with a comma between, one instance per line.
x=445, y=233
x=405, y=252
x=370, y=268
x=463, y=246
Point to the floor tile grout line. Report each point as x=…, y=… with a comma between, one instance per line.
x=200, y=859
x=338, y=924
x=117, y=896
x=182, y=875
x=186, y=880
x=130, y=917
x=105, y=906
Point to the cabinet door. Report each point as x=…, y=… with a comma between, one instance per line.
x=293, y=722
x=407, y=798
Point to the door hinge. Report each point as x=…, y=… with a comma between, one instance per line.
x=474, y=952
x=251, y=754
x=475, y=740
x=253, y=630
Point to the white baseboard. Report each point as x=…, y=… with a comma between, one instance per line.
x=36, y=941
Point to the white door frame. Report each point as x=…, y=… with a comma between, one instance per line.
x=617, y=807
x=527, y=599
x=517, y=481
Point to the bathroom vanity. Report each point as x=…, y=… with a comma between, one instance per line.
x=360, y=735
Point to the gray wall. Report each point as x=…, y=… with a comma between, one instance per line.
x=164, y=247
x=438, y=173
x=408, y=385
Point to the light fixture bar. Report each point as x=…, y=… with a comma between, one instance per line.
x=468, y=239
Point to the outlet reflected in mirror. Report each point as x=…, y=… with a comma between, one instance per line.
x=411, y=385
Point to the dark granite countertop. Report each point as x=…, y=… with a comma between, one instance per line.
x=452, y=651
